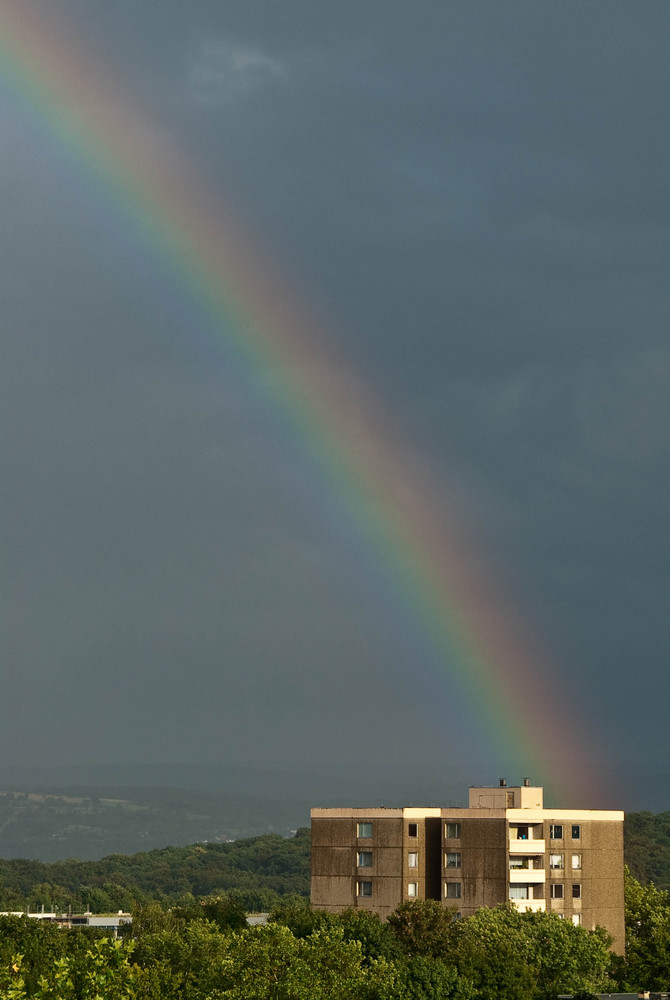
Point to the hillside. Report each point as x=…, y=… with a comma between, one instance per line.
x=647, y=847
x=129, y=829
x=260, y=869
x=89, y=823
x=257, y=870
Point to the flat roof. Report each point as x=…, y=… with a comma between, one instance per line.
x=515, y=815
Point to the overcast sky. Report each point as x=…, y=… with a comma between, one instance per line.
x=474, y=198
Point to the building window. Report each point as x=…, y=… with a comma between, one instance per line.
x=556, y=861
x=453, y=859
x=412, y=860
x=364, y=830
x=577, y=919
x=556, y=831
x=452, y=890
x=413, y=889
x=576, y=890
x=453, y=831
x=364, y=888
x=522, y=833
x=364, y=859
x=413, y=830
x=556, y=892
x=518, y=892
x=517, y=862
x=576, y=832
x=576, y=861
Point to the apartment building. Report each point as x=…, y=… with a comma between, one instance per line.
x=504, y=846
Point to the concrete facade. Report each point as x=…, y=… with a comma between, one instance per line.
x=504, y=847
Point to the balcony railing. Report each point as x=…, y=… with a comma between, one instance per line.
x=527, y=876
x=536, y=905
x=526, y=846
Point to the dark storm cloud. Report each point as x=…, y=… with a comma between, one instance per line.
x=475, y=197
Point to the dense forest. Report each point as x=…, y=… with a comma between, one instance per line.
x=647, y=847
x=260, y=870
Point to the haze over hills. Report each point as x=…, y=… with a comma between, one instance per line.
x=390, y=781
x=89, y=823
x=88, y=811
x=387, y=780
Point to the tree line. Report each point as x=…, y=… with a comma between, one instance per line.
x=205, y=951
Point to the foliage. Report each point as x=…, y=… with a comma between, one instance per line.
x=510, y=955
x=647, y=847
x=202, y=949
x=425, y=978
x=423, y=927
x=40, y=944
x=647, y=964
x=497, y=953
x=376, y=938
x=253, y=873
x=269, y=963
x=221, y=910
x=102, y=971
x=300, y=918
x=194, y=952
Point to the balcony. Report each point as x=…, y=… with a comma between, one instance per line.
x=527, y=876
x=532, y=905
x=526, y=846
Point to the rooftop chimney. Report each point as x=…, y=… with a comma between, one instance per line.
x=502, y=782
x=526, y=782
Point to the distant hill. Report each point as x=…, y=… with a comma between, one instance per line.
x=97, y=811
x=89, y=823
x=389, y=783
x=257, y=870
x=88, y=812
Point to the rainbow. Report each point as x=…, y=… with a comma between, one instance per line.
x=410, y=529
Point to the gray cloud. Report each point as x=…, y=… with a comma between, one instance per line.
x=474, y=199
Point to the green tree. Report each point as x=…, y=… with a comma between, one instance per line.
x=300, y=918
x=424, y=927
x=158, y=982
x=376, y=938
x=102, y=973
x=151, y=918
x=269, y=963
x=12, y=983
x=510, y=955
x=426, y=978
x=647, y=913
x=226, y=913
